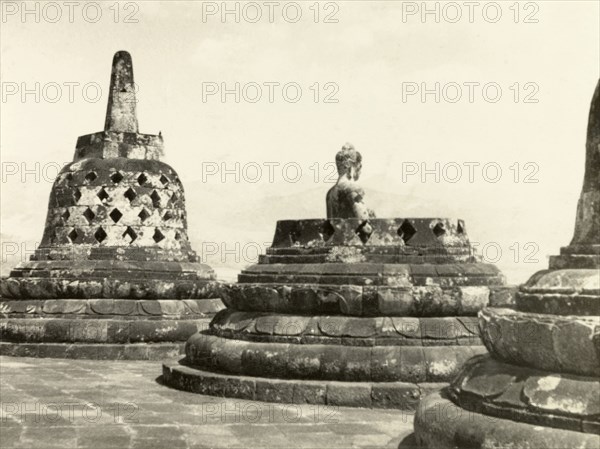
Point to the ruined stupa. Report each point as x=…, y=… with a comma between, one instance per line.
x=350, y=310
x=115, y=275
x=540, y=385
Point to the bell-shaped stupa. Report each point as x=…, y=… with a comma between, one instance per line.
x=350, y=310
x=114, y=275
x=540, y=385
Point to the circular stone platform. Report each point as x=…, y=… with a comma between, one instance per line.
x=358, y=313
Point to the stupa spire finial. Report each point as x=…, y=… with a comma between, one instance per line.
x=120, y=113
x=587, y=224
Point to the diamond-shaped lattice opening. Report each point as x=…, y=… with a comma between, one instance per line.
x=102, y=194
x=294, y=237
x=66, y=214
x=73, y=235
x=115, y=215
x=130, y=194
x=130, y=234
x=155, y=197
x=406, y=231
x=142, y=179
x=364, y=231
x=328, y=230
x=100, y=235
x=168, y=215
x=89, y=215
x=158, y=236
x=439, y=229
x=460, y=228
x=177, y=236
x=164, y=180
x=91, y=176
x=76, y=195
x=143, y=215
x=174, y=198
x=116, y=177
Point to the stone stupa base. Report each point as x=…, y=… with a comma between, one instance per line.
x=440, y=424
x=346, y=312
x=102, y=328
x=381, y=362
x=495, y=404
x=97, y=316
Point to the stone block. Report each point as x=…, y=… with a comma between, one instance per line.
x=273, y=390
x=306, y=392
x=395, y=395
x=349, y=394
x=386, y=364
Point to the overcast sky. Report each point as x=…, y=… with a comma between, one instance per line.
x=359, y=70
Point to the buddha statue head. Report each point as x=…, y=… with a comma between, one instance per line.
x=348, y=162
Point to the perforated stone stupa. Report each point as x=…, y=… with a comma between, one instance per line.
x=350, y=310
x=540, y=385
x=115, y=275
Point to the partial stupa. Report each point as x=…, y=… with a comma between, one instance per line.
x=115, y=275
x=350, y=310
x=540, y=385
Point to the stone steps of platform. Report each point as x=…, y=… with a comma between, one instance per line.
x=398, y=395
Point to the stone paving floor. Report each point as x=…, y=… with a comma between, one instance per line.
x=50, y=403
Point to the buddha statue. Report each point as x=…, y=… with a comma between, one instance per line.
x=345, y=198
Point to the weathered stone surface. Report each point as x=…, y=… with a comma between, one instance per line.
x=353, y=300
x=353, y=395
x=326, y=362
x=587, y=224
x=563, y=395
x=525, y=394
x=394, y=396
x=309, y=393
x=109, y=330
x=542, y=341
x=28, y=308
x=439, y=423
x=347, y=394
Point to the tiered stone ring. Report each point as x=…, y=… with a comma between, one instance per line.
x=346, y=312
x=115, y=275
x=540, y=385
